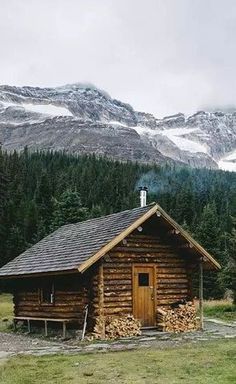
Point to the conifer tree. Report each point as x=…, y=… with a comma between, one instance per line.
x=3, y=196
x=230, y=269
x=208, y=234
x=68, y=209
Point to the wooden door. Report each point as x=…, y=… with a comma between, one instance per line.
x=144, y=294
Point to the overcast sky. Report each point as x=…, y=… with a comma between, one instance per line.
x=161, y=56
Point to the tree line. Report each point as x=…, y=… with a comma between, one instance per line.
x=43, y=190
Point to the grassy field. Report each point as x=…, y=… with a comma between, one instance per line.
x=220, y=309
x=211, y=363
x=6, y=311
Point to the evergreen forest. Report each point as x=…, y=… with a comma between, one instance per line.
x=43, y=190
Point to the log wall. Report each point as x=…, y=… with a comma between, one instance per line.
x=70, y=298
x=172, y=275
x=110, y=287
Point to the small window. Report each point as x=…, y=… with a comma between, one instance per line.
x=47, y=294
x=143, y=279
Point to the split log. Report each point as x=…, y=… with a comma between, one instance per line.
x=116, y=327
x=180, y=318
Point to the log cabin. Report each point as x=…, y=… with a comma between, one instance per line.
x=131, y=262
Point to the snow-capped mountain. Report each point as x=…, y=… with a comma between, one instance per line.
x=82, y=118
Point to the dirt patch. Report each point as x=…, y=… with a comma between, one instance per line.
x=12, y=344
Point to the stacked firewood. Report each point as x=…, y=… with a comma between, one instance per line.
x=116, y=327
x=180, y=318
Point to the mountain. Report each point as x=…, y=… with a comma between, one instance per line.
x=82, y=118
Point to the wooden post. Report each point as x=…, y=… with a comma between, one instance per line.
x=201, y=294
x=64, y=329
x=28, y=322
x=101, y=299
x=85, y=322
x=46, y=327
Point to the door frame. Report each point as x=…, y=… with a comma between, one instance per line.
x=146, y=265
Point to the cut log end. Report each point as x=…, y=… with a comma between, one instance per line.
x=180, y=318
x=117, y=327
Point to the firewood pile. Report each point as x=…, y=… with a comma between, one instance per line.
x=180, y=318
x=116, y=327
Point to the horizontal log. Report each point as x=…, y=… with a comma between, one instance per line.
x=115, y=300
x=174, y=263
x=77, y=297
x=111, y=264
x=142, y=236
x=118, y=304
x=118, y=299
x=71, y=293
x=116, y=311
x=170, y=270
x=172, y=281
x=171, y=276
x=117, y=276
x=51, y=314
x=118, y=269
x=177, y=296
x=113, y=311
x=117, y=293
x=172, y=286
x=59, y=295
x=159, y=263
x=168, y=301
x=116, y=282
x=74, y=309
x=139, y=237
x=56, y=304
x=120, y=288
x=166, y=291
x=152, y=253
x=146, y=245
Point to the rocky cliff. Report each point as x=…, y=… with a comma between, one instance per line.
x=81, y=118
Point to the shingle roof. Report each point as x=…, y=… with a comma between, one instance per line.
x=71, y=245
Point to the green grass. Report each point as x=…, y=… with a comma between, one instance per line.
x=220, y=309
x=6, y=311
x=211, y=363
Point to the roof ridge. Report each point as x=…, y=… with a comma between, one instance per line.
x=109, y=215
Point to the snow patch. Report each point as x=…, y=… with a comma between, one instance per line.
x=228, y=163
x=46, y=109
x=146, y=131
x=114, y=122
x=175, y=135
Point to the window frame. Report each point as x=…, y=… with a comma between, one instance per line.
x=51, y=293
x=146, y=278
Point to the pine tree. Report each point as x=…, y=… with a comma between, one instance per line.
x=230, y=269
x=208, y=234
x=3, y=197
x=43, y=201
x=68, y=209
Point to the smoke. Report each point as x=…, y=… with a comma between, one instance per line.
x=157, y=183
x=171, y=180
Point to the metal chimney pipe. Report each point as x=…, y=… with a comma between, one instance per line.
x=143, y=196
